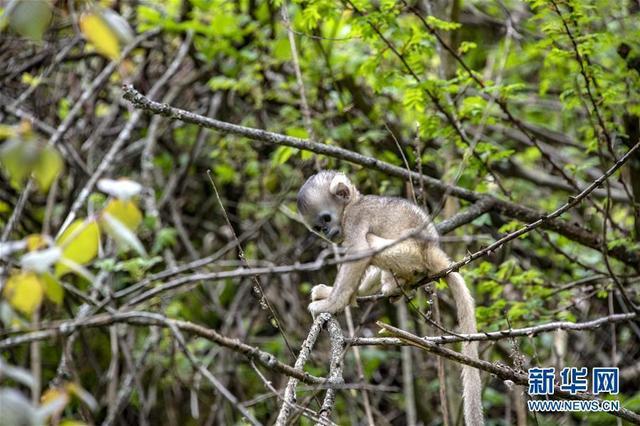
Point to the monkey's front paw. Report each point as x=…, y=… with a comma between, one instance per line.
x=319, y=307
x=320, y=292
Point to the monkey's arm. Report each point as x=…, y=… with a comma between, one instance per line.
x=347, y=281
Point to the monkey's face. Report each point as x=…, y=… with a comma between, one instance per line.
x=327, y=223
x=322, y=200
x=324, y=217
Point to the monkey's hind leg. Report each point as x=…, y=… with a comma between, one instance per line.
x=403, y=257
x=389, y=284
x=371, y=282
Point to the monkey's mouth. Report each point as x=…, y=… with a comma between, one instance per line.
x=333, y=234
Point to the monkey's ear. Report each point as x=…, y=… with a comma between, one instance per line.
x=341, y=187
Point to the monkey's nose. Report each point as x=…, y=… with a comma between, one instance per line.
x=335, y=232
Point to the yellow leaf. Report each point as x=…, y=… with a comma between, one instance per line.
x=55, y=399
x=100, y=34
x=125, y=211
x=79, y=243
x=35, y=242
x=102, y=110
x=30, y=80
x=52, y=288
x=24, y=292
x=52, y=394
x=47, y=167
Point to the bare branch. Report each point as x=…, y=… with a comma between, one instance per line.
x=503, y=334
x=335, y=371
x=141, y=318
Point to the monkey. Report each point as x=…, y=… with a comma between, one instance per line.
x=331, y=204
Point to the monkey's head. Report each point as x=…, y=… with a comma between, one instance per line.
x=322, y=200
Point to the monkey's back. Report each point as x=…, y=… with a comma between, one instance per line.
x=391, y=218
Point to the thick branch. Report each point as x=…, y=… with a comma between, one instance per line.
x=335, y=366
x=335, y=369
x=472, y=213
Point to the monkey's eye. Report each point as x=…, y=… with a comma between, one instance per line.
x=326, y=218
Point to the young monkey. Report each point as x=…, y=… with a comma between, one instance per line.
x=332, y=205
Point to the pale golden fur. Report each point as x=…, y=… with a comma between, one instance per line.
x=365, y=223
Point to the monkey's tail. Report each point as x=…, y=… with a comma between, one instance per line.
x=465, y=307
x=471, y=384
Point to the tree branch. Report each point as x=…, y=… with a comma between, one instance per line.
x=141, y=318
x=335, y=370
x=510, y=209
x=501, y=334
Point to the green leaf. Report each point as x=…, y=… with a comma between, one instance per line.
x=281, y=155
x=138, y=266
x=222, y=82
x=30, y=18
x=225, y=173
x=466, y=46
x=442, y=25
x=15, y=160
x=25, y=155
x=414, y=98
x=166, y=237
x=224, y=24
x=297, y=132
x=281, y=50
